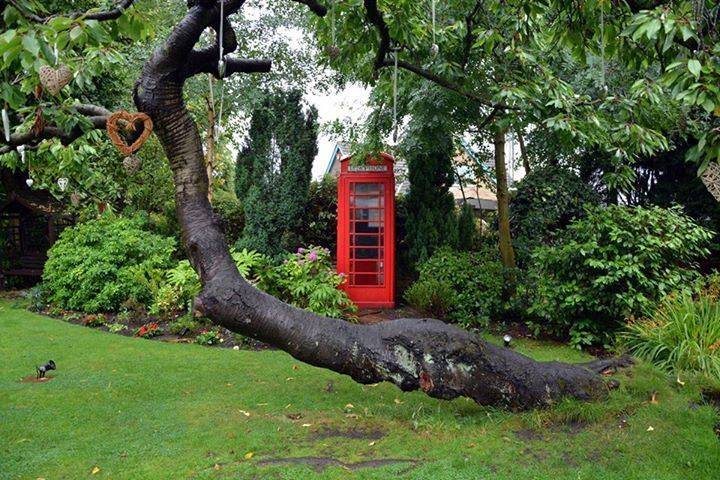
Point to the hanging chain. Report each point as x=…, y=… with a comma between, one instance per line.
x=602, y=46
x=221, y=70
x=433, y=20
x=332, y=21
x=395, y=94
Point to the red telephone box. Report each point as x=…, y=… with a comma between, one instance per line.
x=366, y=231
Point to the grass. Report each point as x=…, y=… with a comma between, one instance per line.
x=138, y=409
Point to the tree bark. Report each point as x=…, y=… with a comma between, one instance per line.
x=442, y=360
x=507, y=253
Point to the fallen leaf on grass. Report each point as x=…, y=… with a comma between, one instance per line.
x=650, y=429
x=249, y=455
x=307, y=424
x=247, y=414
x=398, y=401
x=95, y=470
x=680, y=382
x=653, y=399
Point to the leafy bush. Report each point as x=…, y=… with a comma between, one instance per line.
x=187, y=324
x=308, y=280
x=431, y=295
x=209, y=337
x=682, y=336
x=616, y=263
x=148, y=330
x=476, y=278
x=546, y=201
x=232, y=216
x=94, y=320
x=97, y=265
x=305, y=279
x=320, y=225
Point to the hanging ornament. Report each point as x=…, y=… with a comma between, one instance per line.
x=75, y=199
x=221, y=70
x=130, y=119
x=62, y=183
x=6, y=123
x=434, y=49
x=332, y=50
x=132, y=164
x=54, y=80
x=711, y=179
x=21, y=150
x=29, y=182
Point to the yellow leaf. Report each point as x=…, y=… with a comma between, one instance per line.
x=95, y=470
x=398, y=401
x=349, y=405
x=249, y=455
x=306, y=424
x=650, y=429
x=247, y=414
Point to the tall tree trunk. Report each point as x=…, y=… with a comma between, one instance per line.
x=442, y=360
x=521, y=141
x=503, y=201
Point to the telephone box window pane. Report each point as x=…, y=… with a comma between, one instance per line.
x=362, y=279
x=366, y=241
x=366, y=266
x=366, y=202
x=369, y=253
x=371, y=214
x=366, y=227
x=367, y=188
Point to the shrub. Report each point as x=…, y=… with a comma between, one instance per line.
x=305, y=279
x=615, y=263
x=308, y=280
x=476, y=278
x=546, y=201
x=148, y=330
x=209, y=337
x=431, y=295
x=467, y=228
x=682, y=336
x=116, y=327
x=187, y=324
x=94, y=320
x=97, y=265
x=320, y=225
x=231, y=215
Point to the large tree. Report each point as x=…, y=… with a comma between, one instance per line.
x=442, y=360
x=274, y=171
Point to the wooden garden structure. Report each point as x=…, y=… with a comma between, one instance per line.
x=30, y=222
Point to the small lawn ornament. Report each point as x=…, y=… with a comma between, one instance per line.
x=53, y=80
x=6, y=123
x=43, y=369
x=132, y=164
x=75, y=199
x=29, y=182
x=507, y=339
x=129, y=124
x=711, y=179
x=62, y=183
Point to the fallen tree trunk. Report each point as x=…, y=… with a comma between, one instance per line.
x=442, y=360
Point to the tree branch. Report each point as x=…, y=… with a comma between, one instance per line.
x=375, y=17
x=100, y=16
x=96, y=115
x=232, y=65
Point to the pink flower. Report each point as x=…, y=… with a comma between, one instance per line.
x=301, y=250
x=313, y=256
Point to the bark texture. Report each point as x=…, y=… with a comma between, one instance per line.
x=443, y=361
x=507, y=253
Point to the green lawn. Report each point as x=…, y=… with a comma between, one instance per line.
x=139, y=409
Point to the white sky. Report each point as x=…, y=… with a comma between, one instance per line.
x=350, y=103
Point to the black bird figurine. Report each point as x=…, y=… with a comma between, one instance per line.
x=43, y=369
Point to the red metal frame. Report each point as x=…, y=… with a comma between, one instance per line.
x=366, y=231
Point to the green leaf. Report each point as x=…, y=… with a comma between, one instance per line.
x=695, y=67
x=30, y=43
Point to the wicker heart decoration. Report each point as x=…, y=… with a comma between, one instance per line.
x=711, y=179
x=130, y=121
x=54, y=80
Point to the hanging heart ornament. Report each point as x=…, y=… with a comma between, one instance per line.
x=129, y=124
x=53, y=80
x=711, y=179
